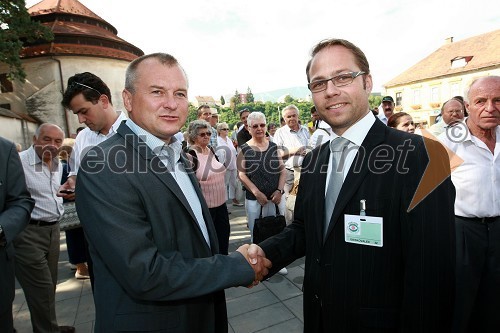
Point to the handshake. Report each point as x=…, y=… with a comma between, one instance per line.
x=257, y=259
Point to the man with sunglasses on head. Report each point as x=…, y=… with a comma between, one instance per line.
x=88, y=97
x=376, y=260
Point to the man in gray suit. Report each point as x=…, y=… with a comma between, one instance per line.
x=150, y=234
x=15, y=209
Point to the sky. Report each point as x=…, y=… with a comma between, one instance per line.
x=264, y=45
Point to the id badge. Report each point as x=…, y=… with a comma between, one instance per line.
x=364, y=230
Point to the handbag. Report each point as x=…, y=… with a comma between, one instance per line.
x=268, y=226
x=70, y=218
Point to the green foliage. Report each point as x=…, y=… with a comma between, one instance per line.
x=16, y=29
x=374, y=101
x=222, y=100
x=235, y=100
x=250, y=98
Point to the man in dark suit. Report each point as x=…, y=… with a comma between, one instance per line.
x=150, y=234
x=401, y=279
x=16, y=205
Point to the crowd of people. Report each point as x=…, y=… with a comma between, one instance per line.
x=396, y=238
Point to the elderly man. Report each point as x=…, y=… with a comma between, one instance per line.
x=477, y=208
x=37, y=247
x=292, y=139
x=452, y=112
x=387, y=109
x=16, y=205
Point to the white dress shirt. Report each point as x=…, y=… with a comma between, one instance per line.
x=320, y=135
x=43, y=185
x=179, y=173
x=288, y=138
x=356, y=134
x=477, y=179
x=87, y=139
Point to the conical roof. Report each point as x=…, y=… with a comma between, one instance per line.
x=77, y=31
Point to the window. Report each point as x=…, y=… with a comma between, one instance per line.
x=455, y=89
x=435, y=94
x=399, y=98
x=5, y=106
x=416, y=96
x=5, y=84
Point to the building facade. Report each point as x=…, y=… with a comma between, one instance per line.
x=83, y=42
x=422, y=89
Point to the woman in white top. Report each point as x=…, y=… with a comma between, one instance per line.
x=227, y=156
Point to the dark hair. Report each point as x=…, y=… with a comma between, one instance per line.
x=88, y=84
x=395, y=119
x=359, y=56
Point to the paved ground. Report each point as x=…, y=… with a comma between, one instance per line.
x=272, y=306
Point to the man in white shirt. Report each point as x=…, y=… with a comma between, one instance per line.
x=477, y=208
x=292, y=139
x=88, y=97
x=387, y=109
x=452, y=112
x=37, y=246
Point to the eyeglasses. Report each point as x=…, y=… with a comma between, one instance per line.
x=224, y=129
x=258, y=125
x=72, y=85
x=204, y=134
x=340, y=80
x=454, y=111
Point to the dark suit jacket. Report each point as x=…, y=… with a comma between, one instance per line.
x=153, y=269
x=16, y=205
x=405, y=286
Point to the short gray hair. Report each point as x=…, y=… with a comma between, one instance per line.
x=195, y=126
x=289, y=107
x=255, y=116
x=164, y=59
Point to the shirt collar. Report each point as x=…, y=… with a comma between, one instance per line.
x=34, y=159
x=357, y=132
x=154, y=143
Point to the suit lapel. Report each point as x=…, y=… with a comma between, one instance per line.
x=354, y=178
x=159, y=170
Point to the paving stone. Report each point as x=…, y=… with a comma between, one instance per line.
x=261, y=318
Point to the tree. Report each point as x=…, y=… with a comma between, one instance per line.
x=374, y=101
x=235, y=100
x=222, y=100
x=250, y=98
x=17, y=29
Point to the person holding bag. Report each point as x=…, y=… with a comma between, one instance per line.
x=262, y=172
x=210, y=174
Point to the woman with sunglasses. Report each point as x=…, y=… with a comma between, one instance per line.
x=210, y=173
x=262, y=172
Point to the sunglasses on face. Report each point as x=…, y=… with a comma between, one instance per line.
x=224, y=129
x=258, y=125
x=204, y=134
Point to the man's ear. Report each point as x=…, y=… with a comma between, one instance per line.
x=368, y=83
x=127, y=100
x=104, y=100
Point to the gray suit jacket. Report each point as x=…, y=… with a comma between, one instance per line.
x=16, y=205
x=153, y=269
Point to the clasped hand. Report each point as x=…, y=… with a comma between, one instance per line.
x=257, y=260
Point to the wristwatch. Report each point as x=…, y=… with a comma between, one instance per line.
x=281, y=191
